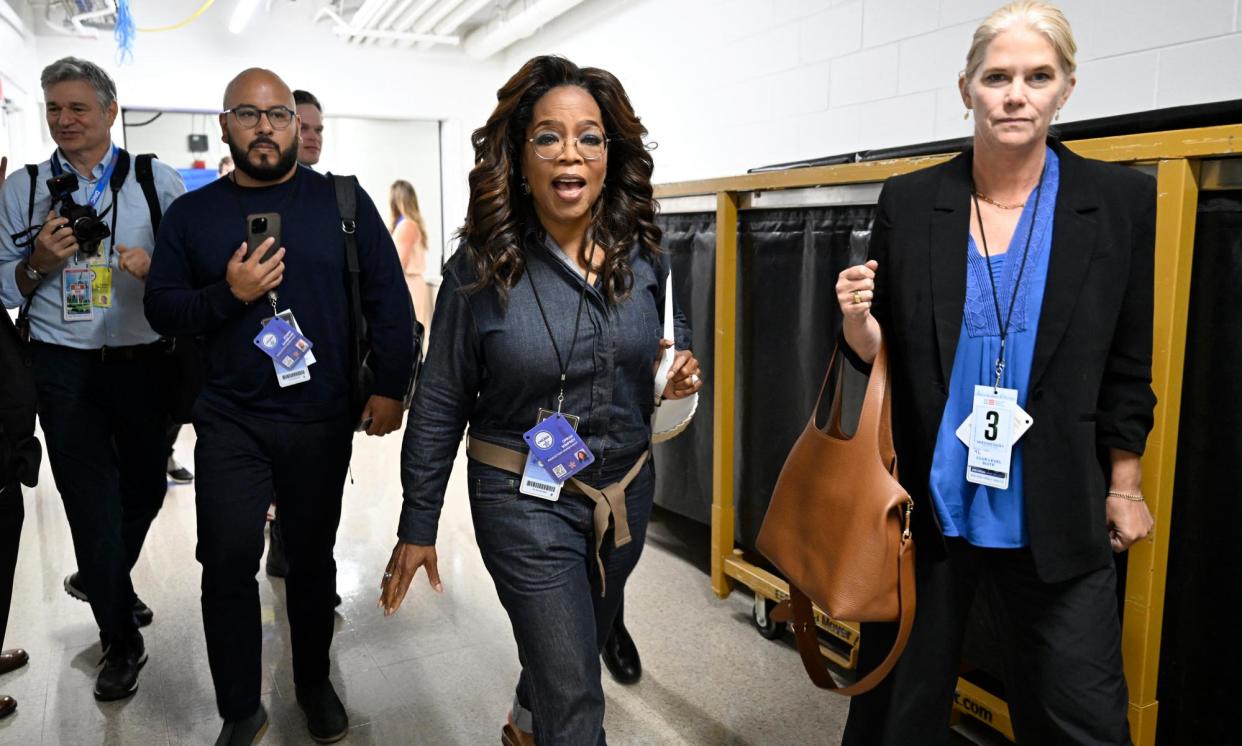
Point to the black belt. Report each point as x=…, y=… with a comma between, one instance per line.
x=149, y=351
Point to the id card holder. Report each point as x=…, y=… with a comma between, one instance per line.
x=282, y=343
x=75, y=293
x=101, y=286
x=994, y=426
x=300, y=373
x=536, y=480
x=558, y=447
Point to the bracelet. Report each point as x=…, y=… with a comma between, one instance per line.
x=1127, y=496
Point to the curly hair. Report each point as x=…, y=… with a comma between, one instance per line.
x=499, y=216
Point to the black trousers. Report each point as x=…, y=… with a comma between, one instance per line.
x=243, y=463
x=1061, y=647
x=103, y=423
x=12, y=515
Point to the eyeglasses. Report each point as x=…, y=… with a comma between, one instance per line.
x=279, y=117
x=549, y=145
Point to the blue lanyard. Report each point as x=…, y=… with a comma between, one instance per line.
x=101, y=185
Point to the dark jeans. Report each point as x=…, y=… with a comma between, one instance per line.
x=243, y=462
x=1062, y=654
x=12, y=514
x=103, y=424
x=541, y=556
x=174, y=429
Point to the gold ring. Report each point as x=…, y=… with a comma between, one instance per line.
x=857, y=297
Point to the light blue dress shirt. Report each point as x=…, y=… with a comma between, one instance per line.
x=985, y=516
x=124, y=323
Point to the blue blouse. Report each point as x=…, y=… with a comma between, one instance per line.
x=984, y=516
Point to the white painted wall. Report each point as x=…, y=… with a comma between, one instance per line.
x=728, y=85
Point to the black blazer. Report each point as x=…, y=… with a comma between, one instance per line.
x=1090, y=383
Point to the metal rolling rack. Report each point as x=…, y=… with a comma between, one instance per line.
x=1184, y=161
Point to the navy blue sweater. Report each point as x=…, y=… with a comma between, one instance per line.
x=187, y=294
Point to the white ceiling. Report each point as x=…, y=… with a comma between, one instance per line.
x=478, y=27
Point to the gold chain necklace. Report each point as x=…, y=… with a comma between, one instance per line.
x=994, y=203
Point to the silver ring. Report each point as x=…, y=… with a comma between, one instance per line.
x=694, y=379
x=387, y=575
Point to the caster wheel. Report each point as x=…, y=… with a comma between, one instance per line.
x=767, y=626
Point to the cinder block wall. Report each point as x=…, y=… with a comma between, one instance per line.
x=727, y=85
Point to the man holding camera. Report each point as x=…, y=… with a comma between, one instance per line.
x=75, y=246
x=256, y=263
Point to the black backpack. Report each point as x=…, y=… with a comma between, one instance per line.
x=363, y=381
x=146, y=179
x=186, y=361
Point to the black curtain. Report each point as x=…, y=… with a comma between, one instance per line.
x=683, y=465
x=1200, y=657
x=787, y=324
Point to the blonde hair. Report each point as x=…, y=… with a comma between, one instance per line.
x=403, y=202
x=1041, y=17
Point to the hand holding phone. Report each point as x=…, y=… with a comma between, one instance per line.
x=249, y=278
x=259, y=228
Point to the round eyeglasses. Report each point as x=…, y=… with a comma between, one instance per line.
x=549, y=145
x=280, y=117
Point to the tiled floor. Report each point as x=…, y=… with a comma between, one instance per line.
x=440, y=672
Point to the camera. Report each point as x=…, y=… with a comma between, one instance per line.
x=87, y=226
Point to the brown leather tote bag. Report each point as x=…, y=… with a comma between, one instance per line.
x=838, y=528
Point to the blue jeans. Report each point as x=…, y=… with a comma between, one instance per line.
x=541, y=555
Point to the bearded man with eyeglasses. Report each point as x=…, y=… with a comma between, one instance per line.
x=276, y=424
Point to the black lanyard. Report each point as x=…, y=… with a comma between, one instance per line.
x=1013, y=298
x=562, y=362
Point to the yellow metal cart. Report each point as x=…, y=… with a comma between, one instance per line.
x=1184, y=162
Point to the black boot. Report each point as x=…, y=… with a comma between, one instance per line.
x=121, y=664
x=325, y=715
x=244, y=732
x=620, y=654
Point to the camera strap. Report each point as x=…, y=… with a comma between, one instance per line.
x=105, y=181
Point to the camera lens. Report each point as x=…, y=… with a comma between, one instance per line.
x=258, y=225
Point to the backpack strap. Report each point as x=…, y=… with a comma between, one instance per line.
x=146, y=179
x=347, y=206
x=23, y=314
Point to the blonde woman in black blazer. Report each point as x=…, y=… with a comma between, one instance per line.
x=940, y=287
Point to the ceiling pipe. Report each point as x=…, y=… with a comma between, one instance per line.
x=367, y=13
x=416, y=15
x=343, y=28
x=428, y=22
x=455, y=19
x=498, y=34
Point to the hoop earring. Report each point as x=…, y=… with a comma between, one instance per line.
x=966, y=115
x=1057, y=118
x=525, y=187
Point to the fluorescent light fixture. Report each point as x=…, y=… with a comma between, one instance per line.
x=242, y=14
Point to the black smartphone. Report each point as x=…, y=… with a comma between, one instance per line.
x=260, y=227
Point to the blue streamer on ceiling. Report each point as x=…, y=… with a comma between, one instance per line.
x=124, y=32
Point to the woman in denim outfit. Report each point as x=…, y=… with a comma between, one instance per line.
x=557, y=290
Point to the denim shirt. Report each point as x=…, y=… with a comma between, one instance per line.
x=493, y=366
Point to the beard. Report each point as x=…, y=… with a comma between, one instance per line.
x=286, y=159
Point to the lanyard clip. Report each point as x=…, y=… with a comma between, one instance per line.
x=1000, y=365
x=560, y=397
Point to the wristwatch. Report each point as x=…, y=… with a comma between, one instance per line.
x=32, y=273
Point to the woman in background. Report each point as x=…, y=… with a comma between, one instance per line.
x=409, y=232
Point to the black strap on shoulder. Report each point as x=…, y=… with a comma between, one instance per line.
x=347, y=206
x=33, y=171
x=146, y=179
x=23, y=314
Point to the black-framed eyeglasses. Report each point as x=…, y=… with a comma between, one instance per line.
x=550, y=145
x=280, y=117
